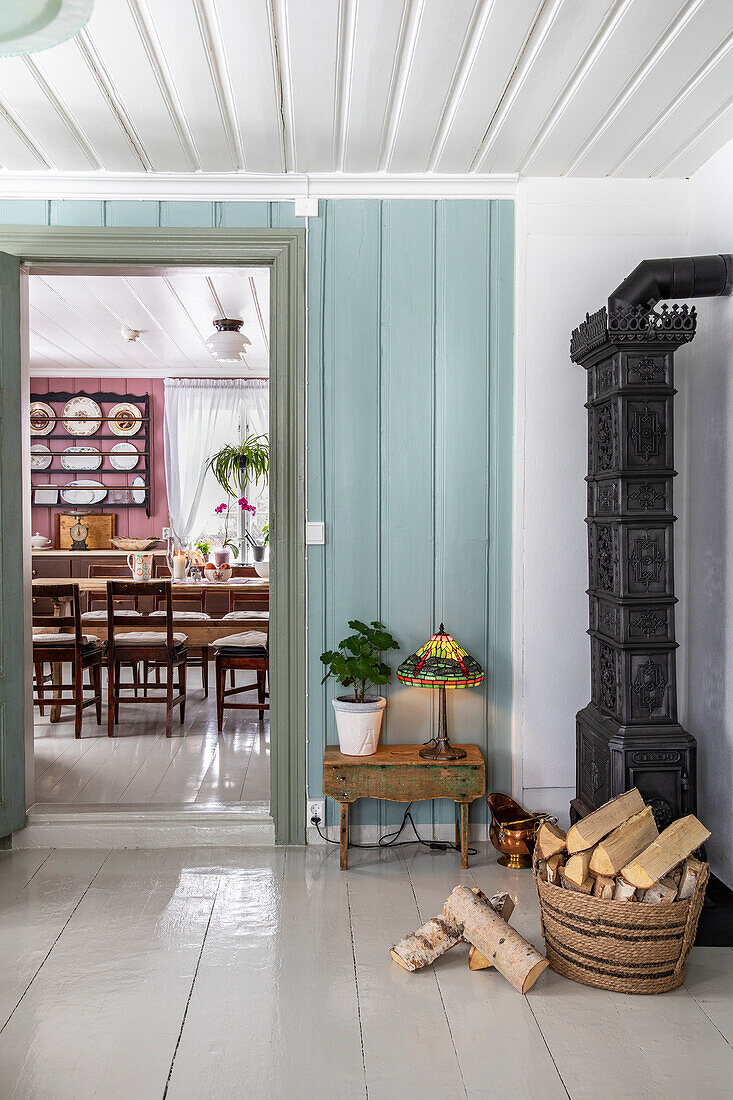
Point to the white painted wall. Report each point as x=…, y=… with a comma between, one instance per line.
x=710, y=476
x=576, y=240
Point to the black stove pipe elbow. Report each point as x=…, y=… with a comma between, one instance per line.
x=682, y=277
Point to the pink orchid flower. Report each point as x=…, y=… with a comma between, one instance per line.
x=246, y=506
x=220, y=508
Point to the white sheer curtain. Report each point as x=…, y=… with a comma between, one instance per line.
x=197, y=414
x=257, y=406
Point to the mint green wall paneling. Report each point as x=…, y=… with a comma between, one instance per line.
x=127, y=213
x=24, y=211
x=351, y=339
x=76, y=212
x=283, y=216
x=407, y=460
x=189, y=215
x=318, y=695
x=243, y=215
x=462, y=444
x=499, y=607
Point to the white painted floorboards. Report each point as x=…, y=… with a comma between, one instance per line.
x=141, y=766
x=265, y=973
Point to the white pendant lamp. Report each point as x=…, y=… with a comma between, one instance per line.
x=227, y=344
x=27, y=26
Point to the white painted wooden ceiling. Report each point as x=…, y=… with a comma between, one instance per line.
x=75, y=322
x=536, y=87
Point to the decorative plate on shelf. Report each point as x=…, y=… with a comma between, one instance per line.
x=41, y=457
x=83, y=492
x=118, y=496
x=81, y=458
x=42, y=418
x=138, y=494
x=82, y=416
x=124, y=456
x=46, y=494
x=125, y=419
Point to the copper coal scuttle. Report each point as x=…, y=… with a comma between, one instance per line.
x=513, y=830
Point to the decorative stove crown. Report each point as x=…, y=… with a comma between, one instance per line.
x=668, y=324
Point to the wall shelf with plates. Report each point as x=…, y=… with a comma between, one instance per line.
x=113, y=433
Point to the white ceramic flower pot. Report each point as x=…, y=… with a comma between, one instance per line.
x=359, y=725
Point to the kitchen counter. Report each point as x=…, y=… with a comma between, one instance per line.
x=92, y=553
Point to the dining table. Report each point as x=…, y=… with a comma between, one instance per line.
x=199, y=632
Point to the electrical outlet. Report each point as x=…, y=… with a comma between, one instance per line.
x=315, y=808
x=166, y=533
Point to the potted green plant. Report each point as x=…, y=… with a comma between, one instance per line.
x=358, y=664
x=234, y=466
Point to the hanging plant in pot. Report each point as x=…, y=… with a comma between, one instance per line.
x=237, y=465
x=358, y=664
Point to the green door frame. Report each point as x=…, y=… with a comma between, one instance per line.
x=284, y=252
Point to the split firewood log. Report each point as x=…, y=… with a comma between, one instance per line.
x=438, y=936
x=676, y=843
x=664, y=890
x=691, y=869
x=519, y=961
x=625, y=842
x=503, y=904
x=603, y=887
x=623, y=891
x=577, y=868
x=553, y=865
x=584, y=887
x=589, y=830
x=469, y=915
x=550, y=840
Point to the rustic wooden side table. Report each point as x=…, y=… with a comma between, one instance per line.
x=399, y=774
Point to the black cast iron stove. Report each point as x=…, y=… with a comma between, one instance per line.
x=628, y=735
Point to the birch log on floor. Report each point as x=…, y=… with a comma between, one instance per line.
x=427, y=944
x=515, y=958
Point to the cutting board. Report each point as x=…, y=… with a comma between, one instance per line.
x=102, y=528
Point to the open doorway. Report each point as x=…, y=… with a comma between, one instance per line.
x=128, y=407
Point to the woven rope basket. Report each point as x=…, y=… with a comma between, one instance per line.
x=624, y=946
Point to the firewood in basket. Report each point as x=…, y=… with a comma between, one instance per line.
x=662, y=891
x=577, y=868
x=585, y=887
x=603, y=887
x=554, y=863
x=589, y=830
x=624, y=891
x=691, y=869
x=677, y=842
x=550, y=840
x=625, y=842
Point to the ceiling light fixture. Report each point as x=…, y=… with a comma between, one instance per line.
x=27, y=26
x=227, y=344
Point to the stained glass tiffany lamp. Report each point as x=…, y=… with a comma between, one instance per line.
x=441, y=663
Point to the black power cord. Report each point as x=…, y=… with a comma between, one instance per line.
x=389, y=840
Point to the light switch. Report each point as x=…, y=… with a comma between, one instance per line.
x=315, y=534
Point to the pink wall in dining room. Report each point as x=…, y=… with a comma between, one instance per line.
x=132, y=522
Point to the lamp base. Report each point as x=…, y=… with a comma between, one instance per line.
x=443, y=750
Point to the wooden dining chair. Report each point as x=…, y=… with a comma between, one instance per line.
x=156, y=646
x=249, y=652
x=97, y=608
x=251, y=613
x=59, y=640
x=188, y=605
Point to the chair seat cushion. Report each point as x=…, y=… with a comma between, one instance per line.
x=257, y=616
x=250, y=643
x=43, y=638
x=180, y=615
x=101, y=616
x=148, y=637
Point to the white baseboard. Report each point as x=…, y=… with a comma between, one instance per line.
x=182, y=826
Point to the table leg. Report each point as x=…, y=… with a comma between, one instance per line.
x=464, y=834
x=344, y=836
